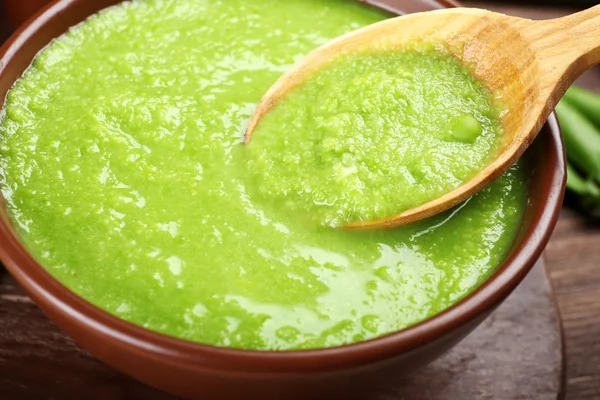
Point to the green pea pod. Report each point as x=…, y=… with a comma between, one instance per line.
x=586, y=190
x=582, y=140
x=577, y=184
x=586, y=102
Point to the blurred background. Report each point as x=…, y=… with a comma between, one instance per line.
x=15, y=12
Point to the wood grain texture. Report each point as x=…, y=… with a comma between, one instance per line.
x=573, y=256
x=574, y=261
x=514, y=354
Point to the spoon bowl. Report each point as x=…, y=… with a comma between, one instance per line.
x=527, y=65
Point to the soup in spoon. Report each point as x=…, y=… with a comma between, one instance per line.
x=375, y=134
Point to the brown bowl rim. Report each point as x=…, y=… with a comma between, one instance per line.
x=50, y=294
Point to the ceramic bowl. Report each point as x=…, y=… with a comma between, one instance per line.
x=197, y=371
x=18, y=11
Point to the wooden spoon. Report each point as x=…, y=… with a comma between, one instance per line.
x=527, y=64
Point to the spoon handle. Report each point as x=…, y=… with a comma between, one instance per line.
x=567, y=46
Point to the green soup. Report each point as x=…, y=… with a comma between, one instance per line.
x=123, y=170
x=372, y=135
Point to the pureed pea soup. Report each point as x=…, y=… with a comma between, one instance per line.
x=123, y=170
x=375, y=133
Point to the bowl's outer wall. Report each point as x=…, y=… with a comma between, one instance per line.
x=198, y=371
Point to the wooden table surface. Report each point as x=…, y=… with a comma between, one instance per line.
x=573, y=258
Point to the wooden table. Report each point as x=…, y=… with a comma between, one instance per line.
x=573, y=258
